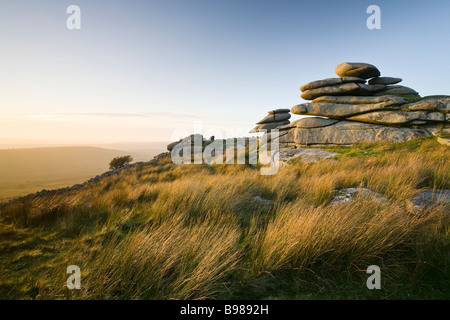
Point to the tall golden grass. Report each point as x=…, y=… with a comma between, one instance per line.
x=195, y=232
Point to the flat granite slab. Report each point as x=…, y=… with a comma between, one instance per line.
x=307, y=154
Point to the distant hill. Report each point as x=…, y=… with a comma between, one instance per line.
x=24, y=171
x=141, y=151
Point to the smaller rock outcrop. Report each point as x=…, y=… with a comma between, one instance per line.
x=190, y=140
x=347, y=195
x=264, y=202
x=429, y=198
x=275, y=119
x=307, y=155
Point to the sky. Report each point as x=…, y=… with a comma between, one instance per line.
x=144, y=70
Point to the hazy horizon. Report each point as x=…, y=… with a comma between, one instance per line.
x=6, y=143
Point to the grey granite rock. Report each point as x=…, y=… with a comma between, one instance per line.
x=394, y=100
x=342, y=89
x=396, y=90
x=279, y=111
x=264, y=202
x=429, y=198
x=384, y=80
x=357, y=69
x=268, y=126
x=349, y=132
x=313, y=122
x=390, y=117
x=431, y=104
x=348, y=194
x=276, y=117
x=330, y=82
x=306, y=155
x=339, y=111
x=368, y=89
x=436, y=116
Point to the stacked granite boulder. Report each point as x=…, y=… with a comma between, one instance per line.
x=190, y=141
x=348, y=110
x=273, y=120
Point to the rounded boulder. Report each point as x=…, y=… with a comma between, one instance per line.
x=357, y=69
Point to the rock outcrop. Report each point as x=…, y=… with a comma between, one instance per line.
x=190, y=140
x=348, y=110
x=307, y=155
x=273, y=120
x=429, y=198
x=347, y=195
x=357, y=69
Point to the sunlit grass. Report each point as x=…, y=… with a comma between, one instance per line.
x=195, y=232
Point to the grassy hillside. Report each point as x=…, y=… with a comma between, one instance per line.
x=162, y=231
x=24, y=171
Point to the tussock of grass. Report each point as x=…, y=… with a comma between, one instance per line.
x=357, y=233
x=194, y=231
x=172, y=260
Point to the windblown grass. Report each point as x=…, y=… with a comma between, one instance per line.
x=194, y=232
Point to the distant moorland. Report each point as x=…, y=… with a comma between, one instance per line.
x=24, y=171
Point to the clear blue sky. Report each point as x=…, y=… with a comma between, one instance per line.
x=137, y=70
